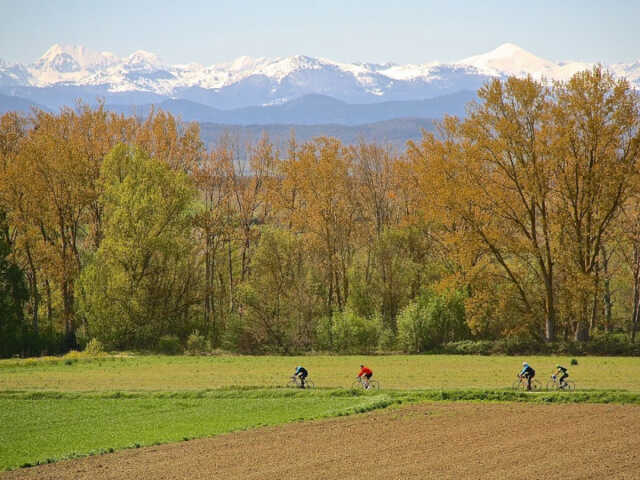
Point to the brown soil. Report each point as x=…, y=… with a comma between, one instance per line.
x=439, y=440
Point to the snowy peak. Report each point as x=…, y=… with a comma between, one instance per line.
x=510, y=59
x=61, y=63
x=142, y=59
x=72, y=58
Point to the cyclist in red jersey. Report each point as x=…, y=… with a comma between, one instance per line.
x=365, y=373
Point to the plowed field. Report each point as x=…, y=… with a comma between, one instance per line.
x=438, y=440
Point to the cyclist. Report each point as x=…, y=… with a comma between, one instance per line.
x=365, y=373
x=563, y=372
x=302, y=373
x=528, y=373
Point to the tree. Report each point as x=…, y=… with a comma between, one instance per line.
x=140, y=285
x=489, y=183
x=13, y=294
x=597, y=148
x=319, y=196
x=276, y=300
x=212, y=177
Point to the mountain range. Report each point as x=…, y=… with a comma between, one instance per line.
x=297, y=89
x=310, y=109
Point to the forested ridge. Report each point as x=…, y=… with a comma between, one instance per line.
x=521, y=221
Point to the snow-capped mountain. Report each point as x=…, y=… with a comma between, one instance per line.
x=65, y=73
x=512, y=60
x=80, y=57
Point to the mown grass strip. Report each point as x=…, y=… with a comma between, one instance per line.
x=223, y=393
x=256, y=393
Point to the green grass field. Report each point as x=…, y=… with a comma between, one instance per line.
x=45, y=427
x=54, y=408
x=162, y=373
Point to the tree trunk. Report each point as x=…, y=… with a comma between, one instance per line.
x=210, y=298
x=608, y=306
x=594, y=307
x=582, y=331
x=582, y=325
x=68, y=312
x=231, y=305
x=49, y=305
x=636, y=292
x=608, y=303
x=33, y=290
x=209, y=276
x=550, y=310
x=634, y=315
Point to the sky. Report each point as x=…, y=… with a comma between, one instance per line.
x=411, y=31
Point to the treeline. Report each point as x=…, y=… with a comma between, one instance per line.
x=519, y=224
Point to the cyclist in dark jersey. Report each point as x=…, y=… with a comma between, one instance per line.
x=564, y=373
x=302, y=373
x=528, y=373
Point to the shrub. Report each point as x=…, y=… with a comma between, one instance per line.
x=469, y=347
x=605, y=345
x=611, y=344
x=94, y=347
x=73, y=356
x=238, y=338
x=411, y=329
x=197, y=343
x=323, y=334
x=431, y=322
x=352, y=333
x=82, y=338
x=387, y=340
x=519, y=346
x=169, y=345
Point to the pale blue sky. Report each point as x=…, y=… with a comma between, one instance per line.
x=413, y=31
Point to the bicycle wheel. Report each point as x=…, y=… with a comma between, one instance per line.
x=374, y=385
x=551, y=386
x=309, y=384
x=293, y=383
x=356, y=385
x=569, y=386
x=519, y=385
x=536, y=386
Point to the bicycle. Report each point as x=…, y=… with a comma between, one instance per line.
x=358, y=383
x=567, y=385
x=295, y=382
x=521, y=384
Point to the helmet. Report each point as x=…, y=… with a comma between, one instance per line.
x=361, y=366
x=557, y=366
x=525, y=364
x=298, y=367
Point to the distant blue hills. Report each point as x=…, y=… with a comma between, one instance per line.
x=311, y=109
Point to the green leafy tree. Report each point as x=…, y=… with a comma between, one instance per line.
x=276, y=301
x=140, y=283
x=432, y=321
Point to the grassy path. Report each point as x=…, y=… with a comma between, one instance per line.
x=162, y=373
